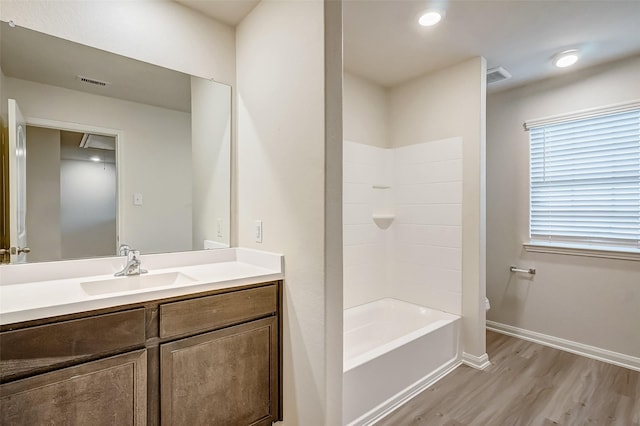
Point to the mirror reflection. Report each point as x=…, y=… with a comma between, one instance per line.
x=117, y=152
x=71, y=194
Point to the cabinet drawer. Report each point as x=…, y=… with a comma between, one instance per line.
x=110, y=391
x=206, y=313
x=45, y=347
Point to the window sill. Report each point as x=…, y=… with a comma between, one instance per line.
x=582, y=250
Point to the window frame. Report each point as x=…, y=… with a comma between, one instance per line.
x=568, y=247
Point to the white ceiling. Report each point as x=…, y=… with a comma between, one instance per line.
x=384, y=43
x=230, y=12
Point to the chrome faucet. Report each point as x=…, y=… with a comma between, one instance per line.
x=123, y=250
x=133, y=265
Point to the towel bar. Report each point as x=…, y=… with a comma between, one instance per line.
x=531, y=271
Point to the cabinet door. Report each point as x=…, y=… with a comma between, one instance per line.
x=110, y=391
x=226, y=377
x=33, y=350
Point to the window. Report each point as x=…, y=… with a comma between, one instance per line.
x=585, y=178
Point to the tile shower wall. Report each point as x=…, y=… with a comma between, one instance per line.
x=418, y=258
x=366, y=247
x=427, y=244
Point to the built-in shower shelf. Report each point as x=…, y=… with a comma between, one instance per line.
x=383, y=220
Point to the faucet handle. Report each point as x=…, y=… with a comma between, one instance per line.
x=124, y=250
x=133, y=254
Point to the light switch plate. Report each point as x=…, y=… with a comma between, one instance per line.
x=137, y=199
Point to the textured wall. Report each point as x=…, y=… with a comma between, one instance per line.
x=586, y=300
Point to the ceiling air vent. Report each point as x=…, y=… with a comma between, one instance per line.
x=497, y=74
x=92, y=81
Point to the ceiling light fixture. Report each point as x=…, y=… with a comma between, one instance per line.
x=566, y=58
x=95, y=158
x=429, y=19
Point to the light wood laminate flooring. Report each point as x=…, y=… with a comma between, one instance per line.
x=527, y=384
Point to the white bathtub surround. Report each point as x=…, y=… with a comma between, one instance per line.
x=393, y=350
x=428, y=233
x=40, y=290
x=403, y=224
x=366, y=246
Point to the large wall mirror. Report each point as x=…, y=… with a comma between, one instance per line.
x=117, y=151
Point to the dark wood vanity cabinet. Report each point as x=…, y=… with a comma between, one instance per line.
x=109, y=391
x=208, y=359
x=225, y=377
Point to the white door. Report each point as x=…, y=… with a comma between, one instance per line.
x=17, y=183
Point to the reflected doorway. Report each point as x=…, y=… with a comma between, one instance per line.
x=71, y=194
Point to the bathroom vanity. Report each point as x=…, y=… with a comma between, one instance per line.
x=206, y=352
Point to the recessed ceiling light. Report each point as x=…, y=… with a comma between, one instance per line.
x=94, y=158
x=429, y=19
x=566, y=58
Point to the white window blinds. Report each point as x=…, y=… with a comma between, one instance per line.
x=585, y=179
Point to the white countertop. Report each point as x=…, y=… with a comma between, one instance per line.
x=34, y=291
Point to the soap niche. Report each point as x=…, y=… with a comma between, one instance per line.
x=383, y=215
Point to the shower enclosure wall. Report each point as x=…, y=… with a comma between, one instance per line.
x=402, y=242
x=402, y=218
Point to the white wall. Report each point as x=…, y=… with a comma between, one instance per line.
x=87, y=209
x=43, y=194
x=210, y=151
x=366, y=114
x=284, y=155
x=156, y=153
x=440, y=105
x=586, y=300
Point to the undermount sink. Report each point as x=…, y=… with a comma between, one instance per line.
x=135, y=282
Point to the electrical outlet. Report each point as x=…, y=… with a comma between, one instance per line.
x=137, y=199
x=258, y=231
x=219, y=227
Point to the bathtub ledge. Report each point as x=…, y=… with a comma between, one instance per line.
x=387, y=407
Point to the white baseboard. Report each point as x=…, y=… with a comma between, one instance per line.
x=477, y=362
x=376, y=414
x=616, y=358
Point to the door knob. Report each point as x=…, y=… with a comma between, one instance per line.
x=19, y=250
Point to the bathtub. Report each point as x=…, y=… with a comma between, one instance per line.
x=393, y=350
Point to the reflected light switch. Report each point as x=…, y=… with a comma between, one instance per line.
x=137, y=199
x=258, y=230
